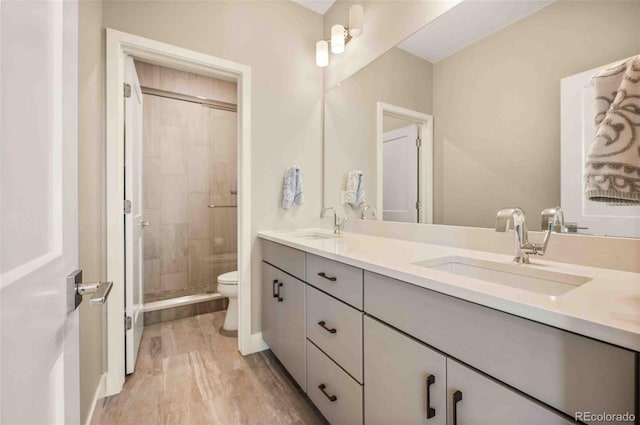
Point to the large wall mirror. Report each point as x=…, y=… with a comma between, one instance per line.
x=486, y=107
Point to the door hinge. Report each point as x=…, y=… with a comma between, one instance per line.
x=127, y=206
x=418, y=142
x=127, y=90
x=418, y=205
x=128, y=324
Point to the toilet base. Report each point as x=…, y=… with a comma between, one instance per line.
x=231, y=318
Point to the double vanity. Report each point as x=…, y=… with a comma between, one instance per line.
x=385, y=331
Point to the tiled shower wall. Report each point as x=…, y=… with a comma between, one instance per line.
x=189, y=164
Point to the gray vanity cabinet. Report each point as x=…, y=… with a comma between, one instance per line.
x=405, y=380
x=474, y=399
x=283, y=320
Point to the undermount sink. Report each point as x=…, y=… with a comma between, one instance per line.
x=515, y=276
x=316, y=236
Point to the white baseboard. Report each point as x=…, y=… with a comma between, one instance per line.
x=100, y=393
x=257, y=344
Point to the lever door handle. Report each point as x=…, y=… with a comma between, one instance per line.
x=76, y=289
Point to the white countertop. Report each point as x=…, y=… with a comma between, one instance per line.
x=607, y=308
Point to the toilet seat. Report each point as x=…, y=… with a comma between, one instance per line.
x=230, y=278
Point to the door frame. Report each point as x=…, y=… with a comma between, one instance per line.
x=425, y=122
x=119, y=45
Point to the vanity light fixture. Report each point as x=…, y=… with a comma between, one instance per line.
x=340, y=36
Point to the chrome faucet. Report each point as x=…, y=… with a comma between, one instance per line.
x=338, y=223
x=523, y=248
x=553, y=219
x=363, y=214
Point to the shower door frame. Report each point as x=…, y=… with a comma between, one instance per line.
x=119, y=45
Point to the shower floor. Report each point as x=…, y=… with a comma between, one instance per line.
x=187, y=373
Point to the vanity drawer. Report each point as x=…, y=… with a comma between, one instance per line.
x=340, y=280
x=332, y=390
x=288, y=259
x=567, y=371
x=337, y=329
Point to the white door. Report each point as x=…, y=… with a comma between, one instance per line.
x=400, y=175
x=39, y=365
x=134, y=220
x=577, y=132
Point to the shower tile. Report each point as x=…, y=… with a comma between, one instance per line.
x=173, y=112
x=175, y=200
x=173, y=280
x=198, y=215
x=222, y=180
x=174, y=247
x=150, y=127
x=148, y=74
x=224, y=230
x=174, y=80
x=198, y=168
x=152, y=234
x=151, y=277
x=152, y=183
x=198, y=123
x=200, y=262
x=173, y=150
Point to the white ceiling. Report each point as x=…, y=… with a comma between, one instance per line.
x=465, y=23
x=318, y=6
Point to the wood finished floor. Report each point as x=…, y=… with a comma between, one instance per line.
x=187, y=373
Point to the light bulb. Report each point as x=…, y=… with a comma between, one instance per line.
x=337, y=39
x=322, y=53
x=356, y=17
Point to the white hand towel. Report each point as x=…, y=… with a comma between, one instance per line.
x=354, y=193
x=292, y=190
x=612, y=169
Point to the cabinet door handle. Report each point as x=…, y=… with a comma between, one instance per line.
x=324, y=326
x=431, y=412
x=327, y=395
x=275, y=285
x=280, y=285
x=323, y=274
x=456, y=397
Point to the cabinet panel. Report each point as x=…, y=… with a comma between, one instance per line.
x=340, y=280
x=285, y=258
x=292, y=328
x=564, y=370
x=486, y=402
x=332, y=390
x=337, y=329
x=403, y=379
x=270, y=307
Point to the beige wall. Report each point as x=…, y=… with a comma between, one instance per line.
x=91, y=192
x=277, y=40
x=386, y=23
x=497, y=107
x=397, y=78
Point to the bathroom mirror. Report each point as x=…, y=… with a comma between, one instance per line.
x=481, y=87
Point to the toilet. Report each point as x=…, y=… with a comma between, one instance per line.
x=228, y=287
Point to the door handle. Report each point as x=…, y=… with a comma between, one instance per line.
x=143, y=223
x=324, y=326
x=273, y=289
x=323, y=274
x=327, y=395
x=431, y=412
x=455, y=398
x=76, y=289
x=280, y=285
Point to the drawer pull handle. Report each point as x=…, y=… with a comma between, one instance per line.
x=280, y=285
x=323, y=274
x=275, y=285
x=329, y=396
x=456, y=397
x=431, y=412
x=324, y=326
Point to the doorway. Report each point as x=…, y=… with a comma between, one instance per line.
x=120, y=46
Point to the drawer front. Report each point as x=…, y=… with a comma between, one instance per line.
x=340, y=280
x=331, y=390
x=288, y=259
x=337, y=329
x=485, y=401
x=567, y=371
